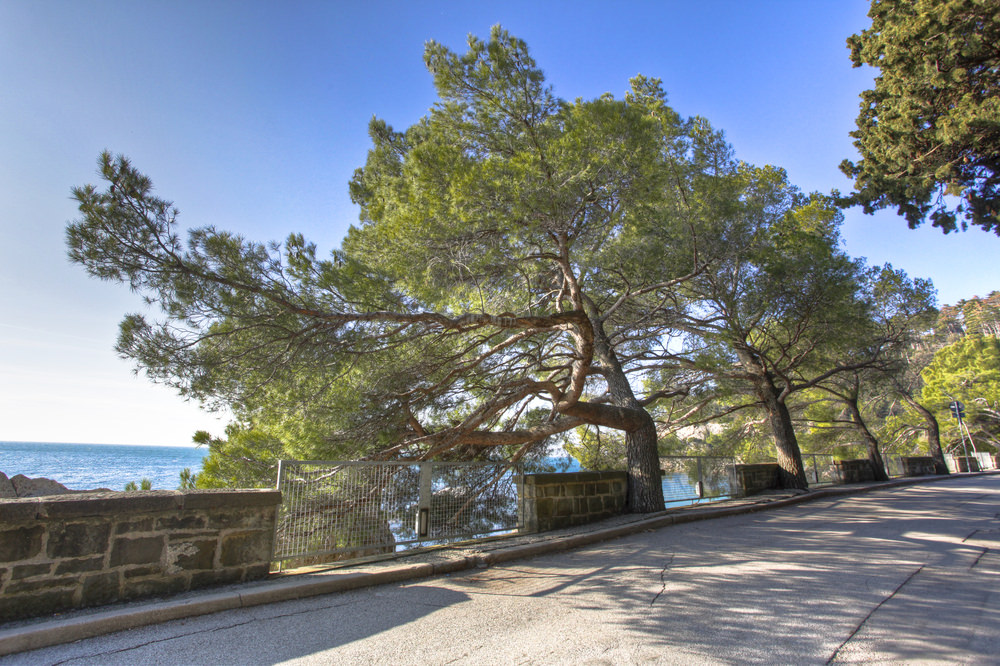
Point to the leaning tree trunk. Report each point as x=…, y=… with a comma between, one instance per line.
x=792, y=473
x=871, y=443
x=933, y=434
x=645, y=485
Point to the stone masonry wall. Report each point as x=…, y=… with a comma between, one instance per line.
x=853, y=471
x=72, y=551
x=966, y=464
x=554, y=501
x=918, y=465
x=752, y=479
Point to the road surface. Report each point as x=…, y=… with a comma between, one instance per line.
x=908, y=575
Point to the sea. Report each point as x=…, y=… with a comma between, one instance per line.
x=91, y=466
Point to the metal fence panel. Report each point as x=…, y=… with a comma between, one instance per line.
x=693, y=478
x=819, y=468
x=350, y=509
x=981, y=460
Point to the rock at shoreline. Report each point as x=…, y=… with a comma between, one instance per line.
x=25, y=487
x=22, y=486
x=6, y=487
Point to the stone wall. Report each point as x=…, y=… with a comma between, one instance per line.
x=853, y=471
x=918, y=465
x=755, y=478
x=966, y=464
x=557, y=500
x=72, y=551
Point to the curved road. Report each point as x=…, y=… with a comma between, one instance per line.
x=909, y=575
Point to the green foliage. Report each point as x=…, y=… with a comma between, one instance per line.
x=597, y=450
x=931, y=126
x=189, y=480
x=245, y=458
x=967, y=370
x=144, y=484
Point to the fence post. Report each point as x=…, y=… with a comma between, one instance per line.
x=425, y=492
x=277, y=513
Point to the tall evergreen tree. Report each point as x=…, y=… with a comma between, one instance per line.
x=929, y=132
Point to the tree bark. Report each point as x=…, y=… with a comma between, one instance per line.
x=871, y=443
x=645, y=485
x=933, y=434
x=792, y=472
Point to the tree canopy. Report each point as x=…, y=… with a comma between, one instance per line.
x=524, y=268
x=512, y=276
x=929, y=132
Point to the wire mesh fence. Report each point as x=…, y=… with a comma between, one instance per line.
x=336, y=510
x=974, y=462
x=819, y=468
x=694, y=478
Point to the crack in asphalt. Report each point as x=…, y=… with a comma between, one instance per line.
x=872, y=612
x=663, y=580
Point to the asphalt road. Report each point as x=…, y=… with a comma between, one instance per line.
x=909, y=575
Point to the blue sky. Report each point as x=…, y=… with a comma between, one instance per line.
x=252, y=116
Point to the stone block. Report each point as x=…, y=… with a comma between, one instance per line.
x=595, y=505
x=187, y=521
x=21, y=543
x=564, y=506
x=142, y=571
x=29, y=570
x=237, y=499
x=254, y=518
x=134, y=525
x=153, y=587
x=19, y=511
x=112, y=504
x=81, y=565
x=78, y=539
x=100, y=588
x=40, y=584
x=245, y=548
x=137, y=550
x=21, y=606
x=257, y=571
x=191, y=555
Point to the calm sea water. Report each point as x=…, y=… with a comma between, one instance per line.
x=88, y=466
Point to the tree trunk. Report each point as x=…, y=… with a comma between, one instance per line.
x=645, y=485
x=792, y=472
x=933, y=434
x=645, y=480
x=871, y=443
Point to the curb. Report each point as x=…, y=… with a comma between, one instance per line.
x=72, y=629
